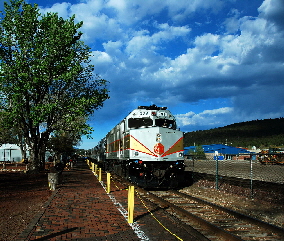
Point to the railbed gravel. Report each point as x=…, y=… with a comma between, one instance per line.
x=267, y=206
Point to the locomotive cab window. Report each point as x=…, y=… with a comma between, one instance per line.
x=165, y=123
x=138, y=122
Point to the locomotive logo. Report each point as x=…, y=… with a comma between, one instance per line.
x=159, y=148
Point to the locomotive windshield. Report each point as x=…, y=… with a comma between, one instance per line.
x=138, y=122
x=165, y=123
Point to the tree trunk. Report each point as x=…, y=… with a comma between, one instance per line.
x=23, y=147
x=37, y=146
x=34, y=160
x=42, y=156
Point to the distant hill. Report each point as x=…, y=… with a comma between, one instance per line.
x=259, y=133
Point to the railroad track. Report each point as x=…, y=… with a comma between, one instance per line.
x=207, y=221
x=212, y=221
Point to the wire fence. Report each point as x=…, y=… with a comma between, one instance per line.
x=250, y=172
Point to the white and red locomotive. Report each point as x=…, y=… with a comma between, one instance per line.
x=145, y=147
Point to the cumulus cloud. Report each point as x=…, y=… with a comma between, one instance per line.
x=154, y=52
x=63, y=9
x=129, y=12
x=272, y=10
x=207, y=119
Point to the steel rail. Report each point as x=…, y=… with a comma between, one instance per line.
x=145, y=195
x=234, y=221
x=220, y=233
x=236, y=214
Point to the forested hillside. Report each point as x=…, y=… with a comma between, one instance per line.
x=259, y=133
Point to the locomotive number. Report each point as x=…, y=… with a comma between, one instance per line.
x=162, y=114
x=143, y=112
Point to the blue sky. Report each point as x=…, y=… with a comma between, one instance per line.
x=211, y=62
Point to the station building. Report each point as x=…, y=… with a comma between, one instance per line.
x=10, y=153
x=224, y=152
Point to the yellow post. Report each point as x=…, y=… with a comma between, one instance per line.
x=108, y=183
x=100, y=174
x=93, y=167
x=96, y=169
x=130, y=204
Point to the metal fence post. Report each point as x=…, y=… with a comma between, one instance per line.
x=251, y=178
x=192, y=169
x=100, y=174
x=217, y=170
x=108, y=183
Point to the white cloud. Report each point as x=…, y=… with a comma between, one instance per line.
x=209, y=118
x=63, y=9
x=237, y=58
x=273, y=10
x=102, y=57
x=130, y=12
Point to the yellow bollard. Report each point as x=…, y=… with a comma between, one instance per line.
x=108, y=183
x=130, y=204
x=96, y=169
x=93, y=167
x=100, y=174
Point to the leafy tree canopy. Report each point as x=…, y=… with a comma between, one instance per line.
x=46, y=77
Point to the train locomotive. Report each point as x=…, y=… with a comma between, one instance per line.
x=145, y=147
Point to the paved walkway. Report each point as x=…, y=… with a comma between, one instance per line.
x=80, y=209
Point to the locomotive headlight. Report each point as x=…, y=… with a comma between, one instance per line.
x=159, y=137
x=180, y=154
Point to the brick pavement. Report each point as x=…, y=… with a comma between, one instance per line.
x=80, y=209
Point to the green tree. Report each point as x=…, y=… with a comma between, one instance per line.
x=7, y=135
x=62, y=141
x=198, y=152
x=62, y=145
x=46, y=78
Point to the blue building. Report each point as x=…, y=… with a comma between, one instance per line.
x=223, y=151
